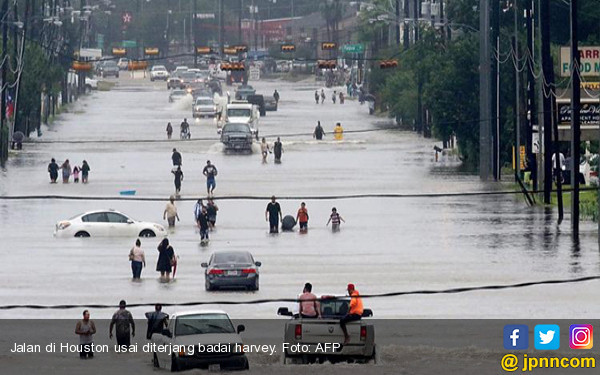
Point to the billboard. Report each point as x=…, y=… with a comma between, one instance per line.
x=589, y=61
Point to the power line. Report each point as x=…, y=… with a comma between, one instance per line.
x=457, y=290
x=282, y=197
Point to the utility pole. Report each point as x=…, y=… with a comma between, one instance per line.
x=406, y=28
x=220, y=25
x=419, y=119
x=22, y=54
x=397, y=22
x=575, y=125
x=485, y=88
x=547, y=66
x=3, y=125
x=240, y=13
x=416, y=15
x=531, y=109
x=495, y=79
x=517, y=96
x=195, y=34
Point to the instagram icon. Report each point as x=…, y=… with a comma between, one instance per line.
x=581, y=336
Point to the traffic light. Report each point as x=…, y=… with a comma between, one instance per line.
x=235, y=66
x=204, y=50
x=151, y=51
x=288, y=48
x=326, y=64
x=388, y=64
x=81, y=66
x=137, y=65
x=230, y=50
x=328, y=46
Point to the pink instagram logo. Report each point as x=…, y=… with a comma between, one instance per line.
x=581, y=336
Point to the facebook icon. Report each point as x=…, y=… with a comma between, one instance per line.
x=516, y=337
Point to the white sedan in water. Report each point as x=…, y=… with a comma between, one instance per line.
x=104, y=223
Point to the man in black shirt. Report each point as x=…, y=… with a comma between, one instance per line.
x=53, y=170
x=319, y=132
x=176, y=157
x=273, y=215
x=210, y=171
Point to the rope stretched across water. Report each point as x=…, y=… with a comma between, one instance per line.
x=294, y=300
x=282, y=197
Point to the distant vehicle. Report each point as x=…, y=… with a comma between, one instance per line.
x=177, y=95
x=204, y=106
x=123, y=63
x=243, y=91
x=206, y=328
x=91, y=84
x=201, y=91
x=237, y=137
x=327, y=330
x=174, y=82
x=259, y=101
x=238, y=111
x=270, y=103
x=187, y=78
x=158, y=72
x=180, y=69
x=202, y=76
x=230, y=269
x=109, y=68
x=107, y=223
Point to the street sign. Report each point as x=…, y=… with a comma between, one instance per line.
x=254, y=73
x=90, y=52
x=353, y=48
x=119, y=51
x=129, y=44
x=535, y=142
x=205, y=16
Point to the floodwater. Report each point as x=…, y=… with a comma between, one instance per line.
x=386, y=244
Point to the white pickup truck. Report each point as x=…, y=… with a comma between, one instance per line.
x=316, y=340
x=244, y=112
x=199, y=339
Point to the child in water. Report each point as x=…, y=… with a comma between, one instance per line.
x=76, y=171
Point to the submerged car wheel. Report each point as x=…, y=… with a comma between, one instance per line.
x=174, y=364
x=147, y=233
x=82, y=234
x=207, y=286
x=255, y=286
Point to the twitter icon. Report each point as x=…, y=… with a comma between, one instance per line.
x=547, y=336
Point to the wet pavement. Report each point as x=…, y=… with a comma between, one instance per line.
x=386, y=245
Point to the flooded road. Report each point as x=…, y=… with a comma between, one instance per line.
x=386, y=244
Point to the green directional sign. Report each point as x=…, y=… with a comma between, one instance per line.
x=129, y=44
x=353, y=48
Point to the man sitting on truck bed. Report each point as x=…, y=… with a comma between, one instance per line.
x=309, y=306
x=355, y=312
